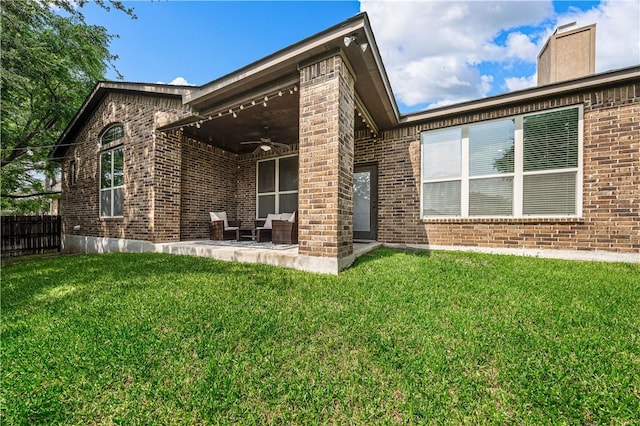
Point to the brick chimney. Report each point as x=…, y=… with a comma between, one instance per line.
x=569, y=53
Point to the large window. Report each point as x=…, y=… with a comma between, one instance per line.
x=112, y=173
x=111, y=183
x=523, y=166
x=277, y=186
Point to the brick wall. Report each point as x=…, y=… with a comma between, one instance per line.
x=80, y=202
x=166, y=196
x=209, y=182
x=246, y=195
x=171, y=182
x=326, y=159
x=611, y=173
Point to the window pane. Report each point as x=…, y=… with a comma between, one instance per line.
x=441, y=199
x=267, y=176
x=491, y=148
x=288, y=174
x=113, y=133
x=105, y=202
x=288, y=203
x=266, y=205
x=549, y=194
x=72, y=172
x=105, y=168
x=491, y=197
x=441, y=154
x=362, y=201
x=118, y=201
x=118, y=176
x=551, y=140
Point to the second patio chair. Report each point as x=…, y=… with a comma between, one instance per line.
x=285, y=230
x=220, y=228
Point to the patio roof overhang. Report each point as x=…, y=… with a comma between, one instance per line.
x=223, y=110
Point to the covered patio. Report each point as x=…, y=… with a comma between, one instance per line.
x=278, y=137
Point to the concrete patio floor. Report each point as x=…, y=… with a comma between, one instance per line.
x=276, y=256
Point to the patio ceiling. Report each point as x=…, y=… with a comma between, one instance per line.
x=281, y=116
x=227, y=132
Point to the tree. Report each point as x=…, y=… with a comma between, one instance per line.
x=51, y=59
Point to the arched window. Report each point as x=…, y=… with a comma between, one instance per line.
x=112, y=173
x=114, y=132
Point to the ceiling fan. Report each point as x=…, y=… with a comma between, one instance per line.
x=265, y=144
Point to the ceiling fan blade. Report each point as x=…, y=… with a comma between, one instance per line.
x=279, y=144
x=256, y=151
x=250, y=142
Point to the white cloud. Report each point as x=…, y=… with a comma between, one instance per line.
x=521, y=46
x=434, y=50
x=444, y=79
x=519, y=83
x=178, y=81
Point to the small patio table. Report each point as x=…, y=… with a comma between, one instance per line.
x=248, y=234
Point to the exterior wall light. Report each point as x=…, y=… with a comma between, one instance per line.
x=350, y=39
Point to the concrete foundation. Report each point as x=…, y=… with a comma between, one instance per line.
x=593, y=255
x=287, y=258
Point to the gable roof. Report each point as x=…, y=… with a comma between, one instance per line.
x=372, y=84
x=373, y=90
x=98, y=93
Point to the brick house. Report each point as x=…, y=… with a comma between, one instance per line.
x=549, y=171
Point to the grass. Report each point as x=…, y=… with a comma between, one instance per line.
x=399, y=338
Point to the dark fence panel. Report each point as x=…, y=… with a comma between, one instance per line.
x=30, y=234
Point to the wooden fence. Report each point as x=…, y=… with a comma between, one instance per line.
x=30, y=234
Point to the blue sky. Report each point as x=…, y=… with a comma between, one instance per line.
x=435, y=52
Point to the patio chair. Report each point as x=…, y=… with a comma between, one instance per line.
x=263, y=228
x=285, y=230
x=222, y=229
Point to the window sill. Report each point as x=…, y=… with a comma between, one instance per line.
x=505, y=220
x=111, y=218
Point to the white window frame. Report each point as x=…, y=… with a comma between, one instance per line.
x=518, y=170
x=277, y=191
x=110, y=147
x=112, y=189
x=106, y=130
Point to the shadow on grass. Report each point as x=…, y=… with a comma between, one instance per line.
x=53, y=280
x=17, y=260
x=385, y=252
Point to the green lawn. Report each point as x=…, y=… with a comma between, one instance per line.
x=399, y=338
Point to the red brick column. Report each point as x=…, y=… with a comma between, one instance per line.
x=326, y=159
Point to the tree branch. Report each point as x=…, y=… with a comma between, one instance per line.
x=19, y=148
x=37, y=194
